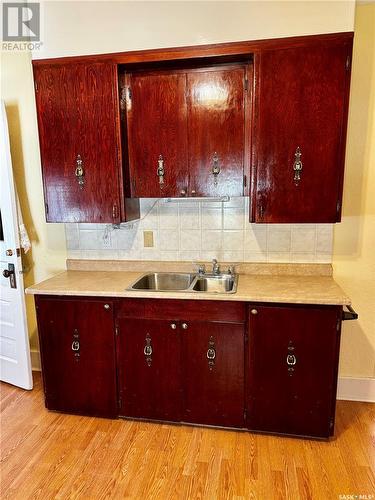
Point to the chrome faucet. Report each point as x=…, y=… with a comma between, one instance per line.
x=215, y=267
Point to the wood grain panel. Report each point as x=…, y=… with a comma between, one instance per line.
x=301, y=103
x=150, y=389
x=77, y=116
x=157, y=126
x=216, y=116
x=214, y=394
x=82, y=381
x=293, y=399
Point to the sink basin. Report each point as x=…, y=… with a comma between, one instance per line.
x=164, y=282
x=216, y=284
x=186, y=282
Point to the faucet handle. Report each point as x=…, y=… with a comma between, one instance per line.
x=200, y=267
x=232, y=269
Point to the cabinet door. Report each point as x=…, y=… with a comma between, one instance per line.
x=302, y=102
x=216, y=120
x=292, y=369
x=78, y=118
x=213, y=357
x=78, y=355
x=150, y=369
x=157, y=134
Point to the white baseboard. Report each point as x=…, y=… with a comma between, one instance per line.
x=35, y=360
x=356, y=389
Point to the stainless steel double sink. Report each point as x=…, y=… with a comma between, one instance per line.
x=186, y=282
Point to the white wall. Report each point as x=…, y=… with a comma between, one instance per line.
x=76, y=28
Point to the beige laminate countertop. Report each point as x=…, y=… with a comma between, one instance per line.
x=298, y=289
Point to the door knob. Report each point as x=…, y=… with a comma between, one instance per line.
x=6, y=273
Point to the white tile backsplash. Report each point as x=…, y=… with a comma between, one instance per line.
x=203, y=230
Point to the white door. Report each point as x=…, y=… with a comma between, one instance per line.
x=15, y=364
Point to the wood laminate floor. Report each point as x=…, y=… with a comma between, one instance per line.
x=49, y=455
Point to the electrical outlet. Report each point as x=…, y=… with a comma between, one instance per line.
x=148, y=239
x=107, y=240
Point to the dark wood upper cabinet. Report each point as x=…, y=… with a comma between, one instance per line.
x=301, y=105
x=216, y=118
x=78, y=118
x=292, y=368
x=77, y=346
x=186, y=131
x=157, y=134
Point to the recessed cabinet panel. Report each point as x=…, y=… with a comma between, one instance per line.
x=78, y=355
x=78, y=120
x=150, y=369
x=292, y=369
x=213, y=360
x=301, y=108
x=157, y=134
x=216, y=114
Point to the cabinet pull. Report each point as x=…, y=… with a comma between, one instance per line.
x=160, y=171
x=76, y=345
x=147, y=351
x=211, y=353
x=297, y=166
x=254, y=311
x=184, y=326
x=79, y=172
x=215, y=167
x=291, y=359
x=173, y=326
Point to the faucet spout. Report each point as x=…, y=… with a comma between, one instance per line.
x=215, y=267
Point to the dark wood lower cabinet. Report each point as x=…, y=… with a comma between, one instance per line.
x=78, y=355
x=292, y=369
x=270, y=368
x=149, y=369
x=181, y=368
x=213, y=361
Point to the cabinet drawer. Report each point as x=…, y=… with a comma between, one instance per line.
x=209, y=310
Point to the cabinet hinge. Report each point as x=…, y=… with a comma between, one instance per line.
x=246, y=337
x=245, y=180
x=347, y=64
x=338, y=207
x=36, y=86
x=116, y=331
x=46, y=207
x=130, y=95
x=261, y=211
x=114, y=211
x=338, y=325
x=123, y=99
x=246, y=84
x=119, y=402
x=245, y=414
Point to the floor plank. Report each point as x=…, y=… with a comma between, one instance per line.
x=48, y=455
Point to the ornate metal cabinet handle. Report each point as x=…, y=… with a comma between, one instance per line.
x=297, y=166
x=76, y=345
x=291, y=359
x=215, y=167
x=160, y=171
x=79, y=172
x=211, y=353
x=147, y=351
